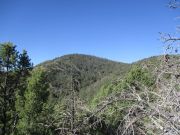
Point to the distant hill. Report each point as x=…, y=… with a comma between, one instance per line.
x=91, y=72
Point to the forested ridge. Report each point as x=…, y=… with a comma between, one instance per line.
x=90, y=70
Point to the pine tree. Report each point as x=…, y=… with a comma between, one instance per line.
x=8, y=61
x=24, y=68
x=14, y=69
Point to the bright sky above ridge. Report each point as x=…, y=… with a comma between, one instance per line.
x=121, y=30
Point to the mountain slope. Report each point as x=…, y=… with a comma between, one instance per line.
x=91, y=71
x=114, y=92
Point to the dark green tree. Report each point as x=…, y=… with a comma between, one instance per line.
x=8, y=61
x=24, y=66
x=14, y=69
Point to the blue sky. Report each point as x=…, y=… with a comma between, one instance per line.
x=121, y=30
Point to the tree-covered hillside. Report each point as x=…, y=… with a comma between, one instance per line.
x=91, y=72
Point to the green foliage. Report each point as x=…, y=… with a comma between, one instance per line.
x=116, y=111
x=14, y=69
x=8, y=55
x=36, y=97
x=104, y=91
x=137, y=74
x=24, y=68
x=24, y=61
x=88, y=92
x=8, y=83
